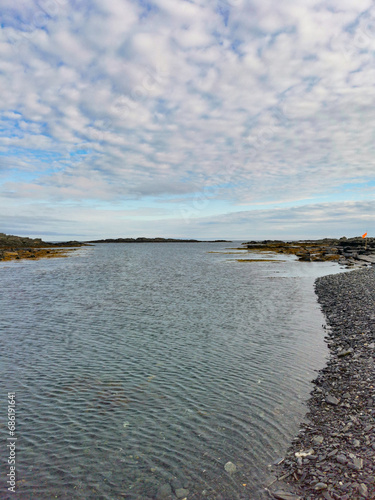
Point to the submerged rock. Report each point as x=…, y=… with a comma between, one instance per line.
x=230, y=468
x=164, y=492
x=181, y=493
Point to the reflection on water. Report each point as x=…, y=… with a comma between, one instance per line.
x=138, y=366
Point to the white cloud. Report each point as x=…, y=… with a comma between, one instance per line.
x=132, y=101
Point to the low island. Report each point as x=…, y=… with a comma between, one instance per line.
x=155, y=240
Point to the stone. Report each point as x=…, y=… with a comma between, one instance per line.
x=332, y=400
x=302, y=453
x=346, y=454
x=358, y=463
x=362, y=490
x=181, y=493
x=164, y=491
x=230, y=468
x=284, y=495
x=341, y=459
x=320, y=486
x=345, y=352
x=331, y=453
x=176, y=483
x=318, y=439
x=326, y=495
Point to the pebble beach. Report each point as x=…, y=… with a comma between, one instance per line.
x=333, y=455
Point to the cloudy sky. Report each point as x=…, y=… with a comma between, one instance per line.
x=203, y=118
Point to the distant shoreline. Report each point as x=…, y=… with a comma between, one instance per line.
x=156, y=240
x=18, y=247
x=344, y=251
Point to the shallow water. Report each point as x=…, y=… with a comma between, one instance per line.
x=136, y=365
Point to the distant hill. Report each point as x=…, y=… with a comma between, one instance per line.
x=154, y=240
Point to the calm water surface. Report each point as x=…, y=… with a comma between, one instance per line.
x=140, y=365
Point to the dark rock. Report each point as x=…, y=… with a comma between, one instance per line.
x=342, y=459
x=332, y=400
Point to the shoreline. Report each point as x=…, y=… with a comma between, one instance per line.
x=8, y=255
x=332, y=456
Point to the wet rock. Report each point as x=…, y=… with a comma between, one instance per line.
x=230, y=468
x=164, y=492
x=283, y=495
x=181, y=493
x=176, y=484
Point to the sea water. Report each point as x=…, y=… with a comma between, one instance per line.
x=143, y=367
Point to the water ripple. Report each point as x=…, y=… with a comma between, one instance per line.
x=139, y=365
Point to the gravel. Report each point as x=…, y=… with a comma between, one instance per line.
x=339, y=436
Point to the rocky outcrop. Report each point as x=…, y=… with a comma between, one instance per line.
x=10, y=241
x=346, y=251
x=18, y=247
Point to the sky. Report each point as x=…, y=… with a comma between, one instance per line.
x=204, y=119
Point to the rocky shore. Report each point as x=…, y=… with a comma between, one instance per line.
x=17, y=247
x=332, y=458
x=346, y=251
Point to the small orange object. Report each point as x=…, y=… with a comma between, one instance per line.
x=364, y=235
